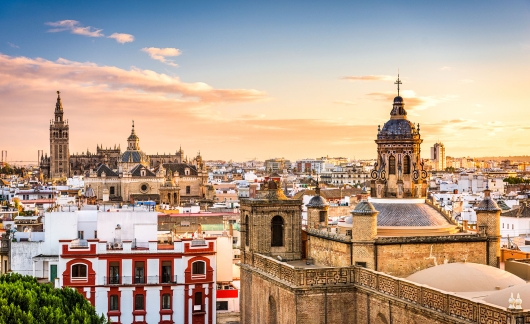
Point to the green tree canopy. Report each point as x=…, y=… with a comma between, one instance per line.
x=23, y=300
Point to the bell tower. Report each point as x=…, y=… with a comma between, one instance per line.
x=59, y=143
x=271, y=225
x=398, y=172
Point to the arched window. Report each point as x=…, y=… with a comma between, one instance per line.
x=277, y=231
x=247, y=239
x=406, y=164
x=198, y=268
x=391, y=165
x=166, y=301
x=79, y=271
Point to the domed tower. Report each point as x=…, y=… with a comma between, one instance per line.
x=398, y=172
x=133, y=156
x=59, y=143
x=317, y=211
x=364, y=232
x=489, y=225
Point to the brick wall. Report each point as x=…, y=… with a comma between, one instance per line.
x=402, y=260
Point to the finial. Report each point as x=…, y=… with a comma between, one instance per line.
x=58, y=92
x=133, y=123
x=418, y=127
x=398, y=82
x=378, y=128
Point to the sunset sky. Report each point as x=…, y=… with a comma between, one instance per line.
x=238, y=79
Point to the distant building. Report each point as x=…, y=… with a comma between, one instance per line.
x=438, y=156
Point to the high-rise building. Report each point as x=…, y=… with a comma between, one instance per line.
x=438, y=156
x=59, y=143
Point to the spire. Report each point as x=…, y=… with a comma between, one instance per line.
x=59, y=104
x=132, y=131
x=398, y=82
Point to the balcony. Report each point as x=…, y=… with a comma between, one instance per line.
x=139, y=280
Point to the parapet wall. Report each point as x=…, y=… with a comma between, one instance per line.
x=379, y=298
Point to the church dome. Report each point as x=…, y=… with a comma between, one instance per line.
x=398, y=99
x=317, y=201
x=131, y=156
x=397, y=128
x=465, y=277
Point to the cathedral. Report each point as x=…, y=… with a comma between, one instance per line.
x=126, y=176
x=366, y=269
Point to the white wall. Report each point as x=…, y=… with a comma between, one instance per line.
x=128, y=220
x=21, y=257
x=224, y=258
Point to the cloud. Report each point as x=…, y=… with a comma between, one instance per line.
x=160, y=54
x=12, y=45
x=344, y=102
x=74, y=27
x=369, y=78
x=445, y=68
x=122, y=38
x=412, y=101
x=39, y=72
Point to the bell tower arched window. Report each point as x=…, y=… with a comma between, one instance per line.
x=406, y=164
x=392, y=165
x=277, y=231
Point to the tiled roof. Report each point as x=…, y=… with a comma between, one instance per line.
x=502, y=205
x=108, y=171
x=136, y=171
x=413, y=214
x=180, y=168
x=523, y=211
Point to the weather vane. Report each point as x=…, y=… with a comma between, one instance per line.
x=398, y=82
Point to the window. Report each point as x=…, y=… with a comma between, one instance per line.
x=166, y=301
x=112, y=190
x=80, y=234
x=234, y=240
x=197, y=302
x=406, y=164
x=139, y=270
x=512, y=226
x=114, y=273
x=79, y=271
x=166, y=272
x=322, y=216
x=391, y=165
x=222, y=305
x=198, y=268
x=139, y=302
x=348, y=232
x=114, y=303
x=361, y=264
x=277, y=231
x=188, y=190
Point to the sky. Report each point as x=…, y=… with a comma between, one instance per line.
x=242, y=80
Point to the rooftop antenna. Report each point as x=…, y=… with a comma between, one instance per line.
x=398, y=82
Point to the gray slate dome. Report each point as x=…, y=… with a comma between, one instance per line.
x=130, y=156
x=364, y=207
x=398, y=127
x=487, y=204
x=317, y=201
x=348, y=220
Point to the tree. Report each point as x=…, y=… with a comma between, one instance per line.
x=23, y=300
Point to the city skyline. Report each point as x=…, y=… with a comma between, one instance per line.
x=238, y=80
